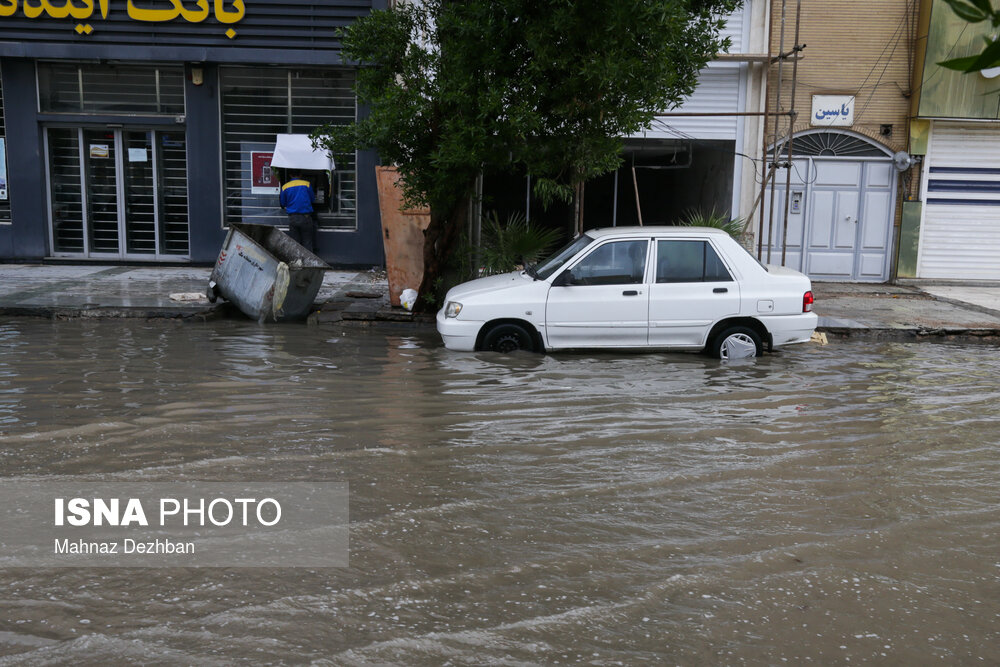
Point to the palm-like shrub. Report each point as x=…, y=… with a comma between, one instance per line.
x=734, y=227
x=507, y=246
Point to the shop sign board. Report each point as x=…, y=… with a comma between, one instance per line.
x=225, y=12
x=832, y=111
x=232, y=31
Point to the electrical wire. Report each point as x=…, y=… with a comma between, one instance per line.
x=659, y=123
x=758, y=171
x=896, y=40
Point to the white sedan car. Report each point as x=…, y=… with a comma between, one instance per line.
x=635, y=287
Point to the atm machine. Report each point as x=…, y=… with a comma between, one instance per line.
x=295, y=153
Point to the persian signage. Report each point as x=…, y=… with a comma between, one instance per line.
x=225, y=12
x=270, y=31
x=832, y=111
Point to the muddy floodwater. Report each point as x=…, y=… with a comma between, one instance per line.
x=822, y=505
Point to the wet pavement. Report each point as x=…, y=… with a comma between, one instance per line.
x=913, y=311
x=67, y=291
x=906, y=312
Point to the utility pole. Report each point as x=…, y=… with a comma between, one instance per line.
x=778, y=140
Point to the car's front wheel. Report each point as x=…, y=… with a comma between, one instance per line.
x=507, y=338
x=737, y=342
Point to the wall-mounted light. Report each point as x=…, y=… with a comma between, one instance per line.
x=197, y=76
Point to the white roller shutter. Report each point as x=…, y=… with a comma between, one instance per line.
x=735, y=29
x=718, y=91
x=960, y=233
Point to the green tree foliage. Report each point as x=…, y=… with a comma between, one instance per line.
x=548, y=86
x=977, y=11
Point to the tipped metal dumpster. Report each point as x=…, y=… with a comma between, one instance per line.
x=266, y=274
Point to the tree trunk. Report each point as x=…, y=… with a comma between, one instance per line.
x=439, y=240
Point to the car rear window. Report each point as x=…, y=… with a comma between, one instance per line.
x=689, y=262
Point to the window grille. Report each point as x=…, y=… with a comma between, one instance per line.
x=830, y=144
x=5, y=201
x=110, y=89
x=259, y=103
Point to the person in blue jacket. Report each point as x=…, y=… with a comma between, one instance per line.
x=297, y=199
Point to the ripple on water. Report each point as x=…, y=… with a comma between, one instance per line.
x=816, y=505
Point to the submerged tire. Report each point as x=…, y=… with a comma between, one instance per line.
x=737, y=342
x=507, y=338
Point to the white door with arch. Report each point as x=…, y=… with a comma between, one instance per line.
x=840, y=210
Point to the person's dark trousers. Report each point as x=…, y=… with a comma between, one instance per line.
x=302, y=228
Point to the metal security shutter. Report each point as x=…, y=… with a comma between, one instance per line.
x=718, y=91
x=735, y=30
x=960, y=234
x=259, y=103
x=5, y=202
x=85, y=88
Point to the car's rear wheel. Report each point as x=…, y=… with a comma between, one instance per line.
x=737, y=342
x=507, y=338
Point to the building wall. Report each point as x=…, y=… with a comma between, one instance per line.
x=711, y=125
x=860, y=53
x=945, y=93
x=853, y=47
x=749, y=173
x=954, y=220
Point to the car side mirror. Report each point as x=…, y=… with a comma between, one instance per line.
x=563, y=279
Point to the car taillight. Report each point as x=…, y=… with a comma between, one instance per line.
x=807, y=302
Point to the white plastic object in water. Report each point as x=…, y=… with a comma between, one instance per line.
x=408, y=298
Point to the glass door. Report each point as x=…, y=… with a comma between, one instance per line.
x=118, y=193
x=100, y=159
x=66, y=191
x=171, y=191
x=138, y=194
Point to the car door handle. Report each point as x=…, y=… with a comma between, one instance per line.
x=630, y=292
x=721, y=290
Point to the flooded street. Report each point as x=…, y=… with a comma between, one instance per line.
x=822, y=505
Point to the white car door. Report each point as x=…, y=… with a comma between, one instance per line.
x=692, y=289
x=601, y=300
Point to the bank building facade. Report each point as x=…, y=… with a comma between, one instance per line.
x=138, y=130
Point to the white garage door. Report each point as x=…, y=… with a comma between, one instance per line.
x=960, y=232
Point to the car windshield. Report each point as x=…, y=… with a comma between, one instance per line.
x=548, y=267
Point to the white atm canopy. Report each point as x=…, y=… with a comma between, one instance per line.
x=295, y=151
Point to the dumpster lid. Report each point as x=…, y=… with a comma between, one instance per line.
x=295, y=151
